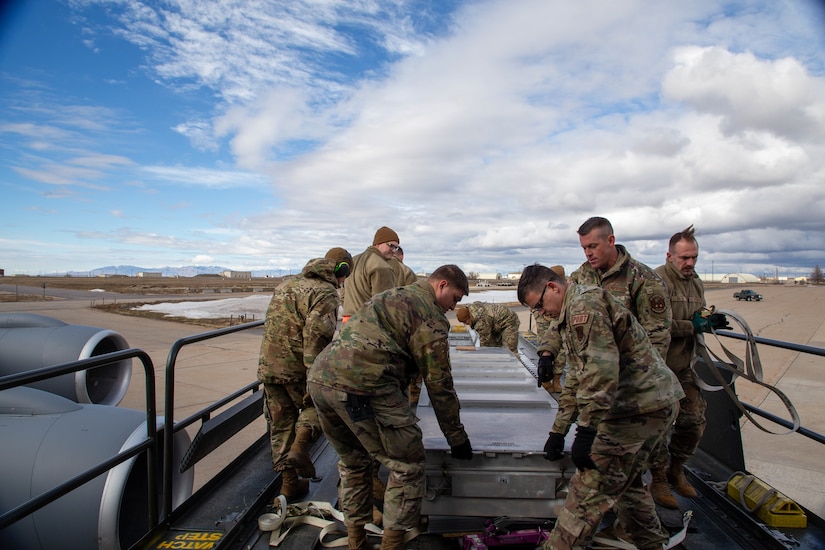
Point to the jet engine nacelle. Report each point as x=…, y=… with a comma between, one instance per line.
x=47, y=440
x=29, y=341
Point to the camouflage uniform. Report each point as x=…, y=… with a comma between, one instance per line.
x=300, y=322
x=637, y=287
x=687, y=295
x=620, y=386
x=497, y=325
x=403, y=274
x=543, y=324
x=371, y=274
x=393, y=337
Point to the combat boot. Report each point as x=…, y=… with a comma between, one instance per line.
x=393, y=540
x=357, y=538
x=298, y=455
x=676, y=477
x=293, y=487
x=660, y=490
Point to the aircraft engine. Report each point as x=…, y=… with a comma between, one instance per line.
x=48, y=439
x=29, y=341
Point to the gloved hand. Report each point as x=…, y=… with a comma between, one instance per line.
x=544, y=372
x=719, y=321
x=463, y=451
x=554, y=448
x=706, y=324
x=580, y=452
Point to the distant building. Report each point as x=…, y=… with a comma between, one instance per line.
x=489, y=276
x=150, y=274
x=732, y=278
x=236, y=274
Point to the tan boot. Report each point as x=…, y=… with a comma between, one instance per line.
x=676, y=477
x=393, y=540
x=298, y=454
x=357, y=538
x=660, y=490
x=291, y=486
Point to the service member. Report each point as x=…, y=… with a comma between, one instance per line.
x=359, y=386
x=623, y=398
x=300, y=322
x=687, y=301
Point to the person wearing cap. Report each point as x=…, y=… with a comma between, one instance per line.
x=372, y=272
x=359, y=385
x=497, y=325
x=403, y=274
x=300, y=321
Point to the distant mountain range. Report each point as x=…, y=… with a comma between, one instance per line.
x=183, y=271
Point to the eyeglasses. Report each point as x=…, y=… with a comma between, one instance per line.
x=394, y=247
x=536, y=308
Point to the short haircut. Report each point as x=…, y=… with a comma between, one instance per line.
x=685, y=234
x=533, y=279
x=453, y=275
x=596, y=222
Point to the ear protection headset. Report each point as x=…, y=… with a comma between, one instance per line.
x=342, y=269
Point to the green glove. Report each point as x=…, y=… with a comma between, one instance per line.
x=700, y=324
x=706, y=324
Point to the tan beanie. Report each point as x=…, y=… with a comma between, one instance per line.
x=338, y=255
x=463, y=315
x=385, y=235
x=558, y=270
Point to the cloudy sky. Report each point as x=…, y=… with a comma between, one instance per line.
x=256, y=134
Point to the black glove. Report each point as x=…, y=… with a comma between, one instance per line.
x=463, y=451
x=580, y=452
x=554, y=448
x=719, y=321
x=544, y=372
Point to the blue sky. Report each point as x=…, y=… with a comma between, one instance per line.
x=255, y=135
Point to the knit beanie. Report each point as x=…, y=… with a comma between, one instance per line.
x=463, y=315
x=559, y=270
x=385, y=235
x=342, y=259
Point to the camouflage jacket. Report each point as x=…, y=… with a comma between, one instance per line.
x=300, y=322
x=492, y=321
x=638, y=288
x=687, y=295
x=370, y=275
x=396, y=335
x=403, y=274
x=613, y=371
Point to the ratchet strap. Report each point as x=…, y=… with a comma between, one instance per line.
x=284, y=517
x=750, y=369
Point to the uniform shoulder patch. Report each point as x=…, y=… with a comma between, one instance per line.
x=579, y=319
x=657, y=303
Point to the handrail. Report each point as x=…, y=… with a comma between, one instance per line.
x=149, y=444
x=169, y=403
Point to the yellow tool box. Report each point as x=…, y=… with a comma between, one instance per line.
x=765, y=502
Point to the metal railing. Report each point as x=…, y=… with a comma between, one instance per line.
x=148, y=444
x=169, y=403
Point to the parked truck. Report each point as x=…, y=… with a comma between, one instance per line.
x=747, y=295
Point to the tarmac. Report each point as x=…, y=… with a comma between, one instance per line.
x=210, y=370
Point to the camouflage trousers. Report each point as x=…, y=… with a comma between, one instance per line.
x=287, y=407
x=506, y=336
x=391, y=437
x=621, y=453
x=688, y=429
